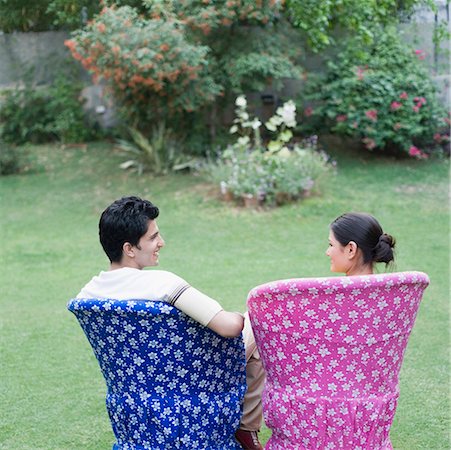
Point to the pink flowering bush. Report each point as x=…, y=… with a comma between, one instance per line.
x=383, y=96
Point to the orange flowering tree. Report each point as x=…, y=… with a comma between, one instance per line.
x=149, y=66
x=182, y=56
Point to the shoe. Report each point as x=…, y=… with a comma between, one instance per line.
x=248, y=440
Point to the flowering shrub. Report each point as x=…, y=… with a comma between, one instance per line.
x=208, y=15
x=383, y=96
x=275, y=172
x=149, y=66
x=177, y=58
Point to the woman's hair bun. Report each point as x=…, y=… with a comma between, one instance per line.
x=390, y=240
x=383, y=252
x=367, y=233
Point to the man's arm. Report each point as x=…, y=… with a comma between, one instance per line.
x=209, y=312
x=227, y=324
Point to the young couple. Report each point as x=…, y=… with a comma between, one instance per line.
x=131, y=239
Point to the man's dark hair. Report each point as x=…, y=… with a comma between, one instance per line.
x=125, y=220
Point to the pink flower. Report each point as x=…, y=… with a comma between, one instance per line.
x=441, y=138
x=360, y=73
x=416, y=108
x=354, y=124
x=341, y=117
x=420, y=53
x=369, y=143
x=417, y=153
x=414, y=151
x=308, y=111
x=397, y=126
x=404, y=95
x=420, y=100
x=395, y=105
x=371, y=114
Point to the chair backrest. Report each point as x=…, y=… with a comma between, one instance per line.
x=332, y=349
x=171, y=383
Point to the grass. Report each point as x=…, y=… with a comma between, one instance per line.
x=52, y=392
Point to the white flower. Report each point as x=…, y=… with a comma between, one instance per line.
x=241, y=101
x=273, y=123
x=288, y=113
x=285, y=135
x=334, y=316
x=270, y=126
x=274, y=146
x=243, y=116
x=332, y=387
x=284, y=152
x=243, y=140
x=233, y=129
x=314, y=386
x=255, y=124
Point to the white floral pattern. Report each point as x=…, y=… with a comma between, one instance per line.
x=171, y=383
x=332, y=349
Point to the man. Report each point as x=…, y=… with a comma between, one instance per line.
x=132, y=241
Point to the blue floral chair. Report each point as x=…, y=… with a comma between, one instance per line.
x=171, y=383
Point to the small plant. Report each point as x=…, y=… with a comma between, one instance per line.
x=13, y=160
x=276, y=172
x=24, y=116
x=43, y=114
x=159, y=154
x=9, y=160
x=69, y=122
x=298, y=172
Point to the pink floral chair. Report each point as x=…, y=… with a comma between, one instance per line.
x=332, y=349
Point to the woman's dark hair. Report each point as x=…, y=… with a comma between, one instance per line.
x=367, y=233
x=125, y=220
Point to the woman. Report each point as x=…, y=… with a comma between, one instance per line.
x=356, y=243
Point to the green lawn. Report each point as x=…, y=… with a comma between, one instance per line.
x=52, y=392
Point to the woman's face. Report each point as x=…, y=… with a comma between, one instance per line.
x=339, y=257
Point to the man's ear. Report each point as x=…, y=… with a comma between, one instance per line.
x=351, y=249
x=127, y=250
